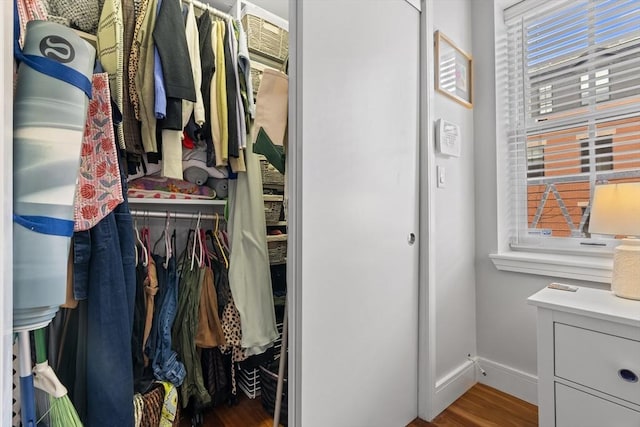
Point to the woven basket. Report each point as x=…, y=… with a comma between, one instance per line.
x=277, y=246
x=270, y=175
x=257, y=70
x=266, y=38
x=272, y=207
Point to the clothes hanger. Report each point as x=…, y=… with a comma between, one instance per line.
x=167, y=240
x=208, y=255
x=146, y=240
x=135, y=243
x=215, y=234
x=145, y=255
x=165, y=235
x=197, y=243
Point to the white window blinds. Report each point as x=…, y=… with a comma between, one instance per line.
x=573, y=70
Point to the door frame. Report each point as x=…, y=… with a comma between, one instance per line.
x=6, y=220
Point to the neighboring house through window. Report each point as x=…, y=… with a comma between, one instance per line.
x=573, y=105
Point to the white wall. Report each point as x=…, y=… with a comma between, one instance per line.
x=454, y=232
x=506, y=328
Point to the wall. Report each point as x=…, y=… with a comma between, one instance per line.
x=454, y=228
x=506, y=325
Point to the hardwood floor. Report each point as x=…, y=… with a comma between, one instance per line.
x=247, y=413
x=484, y=406
x=481, y=406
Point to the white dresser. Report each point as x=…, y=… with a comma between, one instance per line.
x=588, y=359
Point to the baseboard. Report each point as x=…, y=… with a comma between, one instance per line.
x=453, y=385
x=509, y=380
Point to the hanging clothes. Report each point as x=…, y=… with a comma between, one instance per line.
x=184, y=332
x=134, y=55
x=251, y=287
x=209, y=332
x=104, y=275
x=222, y=109
x=207, y=63
x=130, y=124
x=170, y=38
x=193, y=46
x=110, y=40
x=144, y=82
x=166, y=364
x=231, y=91
x=244, y=64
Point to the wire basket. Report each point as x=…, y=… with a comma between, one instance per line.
x=266, y=38
x=272, y=207
x=249, y=382
x=277, y=246
x=270, y=175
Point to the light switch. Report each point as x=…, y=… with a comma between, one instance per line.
x=440, y=179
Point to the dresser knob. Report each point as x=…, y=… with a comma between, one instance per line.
x=628, y=376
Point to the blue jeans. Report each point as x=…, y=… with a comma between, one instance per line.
x=104, y=274
x=166, y=366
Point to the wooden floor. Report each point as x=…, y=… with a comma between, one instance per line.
x=247, y=413
x=481, y=406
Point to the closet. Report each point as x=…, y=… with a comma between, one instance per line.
x=254, y=379
x=209, y=227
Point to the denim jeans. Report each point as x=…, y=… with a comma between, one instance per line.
x=166, y=366
x=104, y=274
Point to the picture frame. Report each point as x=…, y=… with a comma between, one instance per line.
x=453, y=71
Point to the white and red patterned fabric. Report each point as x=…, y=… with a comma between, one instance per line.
x=99, y=189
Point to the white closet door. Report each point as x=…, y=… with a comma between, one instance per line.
x=359, y=290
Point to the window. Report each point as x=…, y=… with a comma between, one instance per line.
x=535, y=159
x=603, y=160
x=573, y=103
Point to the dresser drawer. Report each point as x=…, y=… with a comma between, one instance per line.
x=575, y=408
x=595, y=359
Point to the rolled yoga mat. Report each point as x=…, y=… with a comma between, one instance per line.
x=49, y=119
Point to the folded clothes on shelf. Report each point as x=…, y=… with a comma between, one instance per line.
x=168, y=188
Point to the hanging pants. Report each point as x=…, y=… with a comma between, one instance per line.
x=104, y=274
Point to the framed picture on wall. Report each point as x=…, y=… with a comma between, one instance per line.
x=454, y=70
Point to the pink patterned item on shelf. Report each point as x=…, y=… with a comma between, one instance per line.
x=168, y=188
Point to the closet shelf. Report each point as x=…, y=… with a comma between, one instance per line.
x=138, y=201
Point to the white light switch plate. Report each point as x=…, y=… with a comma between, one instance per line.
x=440, y=176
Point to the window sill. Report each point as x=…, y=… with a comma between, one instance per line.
x=589, y=268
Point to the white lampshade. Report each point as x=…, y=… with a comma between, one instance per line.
x=615, y=210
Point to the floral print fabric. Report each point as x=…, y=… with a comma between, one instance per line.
x=168, y=188
x=99, y=189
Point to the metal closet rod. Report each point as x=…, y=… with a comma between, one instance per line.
x=210, y=9
x=174, y=215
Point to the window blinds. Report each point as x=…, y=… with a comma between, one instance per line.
x=573, y=71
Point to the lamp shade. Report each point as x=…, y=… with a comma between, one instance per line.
x=615, y=209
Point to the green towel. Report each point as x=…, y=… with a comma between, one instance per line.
x=274, y=153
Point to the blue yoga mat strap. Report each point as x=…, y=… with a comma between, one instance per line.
x=46, y=65
x=45, y=225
